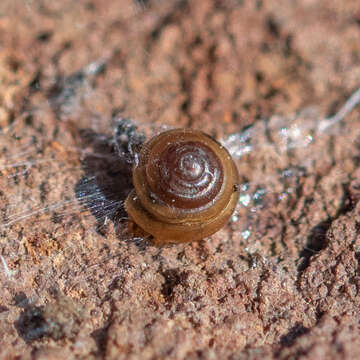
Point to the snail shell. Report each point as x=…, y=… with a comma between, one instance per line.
x=186, y=187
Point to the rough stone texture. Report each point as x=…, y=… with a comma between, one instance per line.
x=280, y=281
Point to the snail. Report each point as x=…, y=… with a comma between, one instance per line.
x=185, y=187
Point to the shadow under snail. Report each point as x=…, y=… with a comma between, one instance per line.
x=185, y=187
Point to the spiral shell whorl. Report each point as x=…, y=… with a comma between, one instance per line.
x=185, y=175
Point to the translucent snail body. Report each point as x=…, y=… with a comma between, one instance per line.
x=185, y=187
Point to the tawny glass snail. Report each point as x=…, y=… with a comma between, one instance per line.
x=185, y=187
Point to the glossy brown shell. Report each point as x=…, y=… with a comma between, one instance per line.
x=186, y=187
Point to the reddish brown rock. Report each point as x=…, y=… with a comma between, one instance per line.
x=280, y=281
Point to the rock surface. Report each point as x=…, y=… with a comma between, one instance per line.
x=281, y=281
